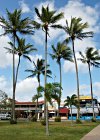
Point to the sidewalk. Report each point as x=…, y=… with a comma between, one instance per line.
x=93, y=135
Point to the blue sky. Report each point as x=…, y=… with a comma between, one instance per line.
x=26, y=88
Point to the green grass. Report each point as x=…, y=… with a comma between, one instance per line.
x=35, y=131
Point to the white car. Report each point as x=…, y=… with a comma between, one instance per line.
x=5, y=116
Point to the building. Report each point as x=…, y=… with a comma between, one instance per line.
x=23, y=109
x=86, y=108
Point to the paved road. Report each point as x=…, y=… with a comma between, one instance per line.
x=93, y=135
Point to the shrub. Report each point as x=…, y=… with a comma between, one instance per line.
x=78, y=121
x=58, y=119
x=13, y=121
x=43, y=121
x=34, y=119
x=93, y=120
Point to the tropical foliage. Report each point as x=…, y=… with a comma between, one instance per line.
x=71, y=101
x=12, y=26
x=91, y=57
x=22, y=50
x=61, y=51
x=39, y=69
x=48, y=18
x=75, y=30
x=16, y=26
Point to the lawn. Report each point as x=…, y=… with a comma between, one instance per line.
x=35, y=131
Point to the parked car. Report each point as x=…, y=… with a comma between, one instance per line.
x=5, y=116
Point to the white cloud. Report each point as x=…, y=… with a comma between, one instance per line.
x=70, y=67
x=87, y=13
x=24, y=7
x=5, y=85
x=5, y=58
x=81, y=45
x=85, y=90
x=25, y=89
x=38, y=37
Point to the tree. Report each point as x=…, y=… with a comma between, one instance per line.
x=61, y=52
x=23, y=50
x=39, y=69
x=71, y=101
x=12, y=25
x=35, y=98
x=75, y=30
x=52, y=92
x=3, y=98
x=47, y=19
x=91, y=57
x=3, y=95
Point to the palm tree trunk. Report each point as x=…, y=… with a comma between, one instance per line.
x=91, y=89
x=13, y=101
x=36, y=113
x=77, y=78
x=17, y=72
x=71, y=116
x=45, y=100
x=60, y=88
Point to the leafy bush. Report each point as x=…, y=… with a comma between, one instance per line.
x=43, y=121
x=58, y=119
x=93, y=120
x=78, y=121
x=34, y=119
x=13, y=121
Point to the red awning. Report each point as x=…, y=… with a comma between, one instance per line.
x=64, y=110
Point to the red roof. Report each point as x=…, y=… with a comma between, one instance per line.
x=24, y=103
x=64, y=110
x=28, y=103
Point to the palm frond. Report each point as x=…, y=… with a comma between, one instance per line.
x=37, y=12
x=27, y=57
x=36, y=24
x=58, y=26
x=57, y=18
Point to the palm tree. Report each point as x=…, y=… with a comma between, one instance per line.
x=23, y=50
x=35, y=98
x=91, y=57
x=13, y=25
x=71, y=101
x=52, y=92
x=61, y=52
x=39, y=69
x=47, y=19
x=76, y=31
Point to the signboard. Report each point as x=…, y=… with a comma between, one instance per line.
x=85, y=97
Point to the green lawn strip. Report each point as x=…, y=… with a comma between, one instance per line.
x=35, y=131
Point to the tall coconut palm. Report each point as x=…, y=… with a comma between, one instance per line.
x=75, y=30
x=91, y=57
x=61, y=51
x=71, y=101
x=39, y=69
x=47, y=19
x=12, y=25
x=22, y=50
